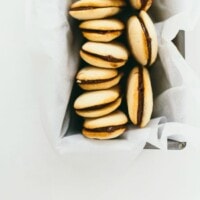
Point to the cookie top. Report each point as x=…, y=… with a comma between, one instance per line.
x=94, y=73
x=90, y=9
x=96, y=98
x=114, y=119
x=112, y=49
x=97, y=4
x=102, y=25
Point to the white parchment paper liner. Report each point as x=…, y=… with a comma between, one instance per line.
x=54, y=51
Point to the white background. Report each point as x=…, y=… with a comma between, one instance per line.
x=30, y=169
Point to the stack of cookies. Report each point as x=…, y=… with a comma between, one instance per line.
x=103, y=56
x=100, y=76
x=144, y=47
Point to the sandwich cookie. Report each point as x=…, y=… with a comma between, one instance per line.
x=106, y=127
x=139, y=96
x=94, y=78
x=105, y=55
x=98, y=9
x=141, y=4
x=98, y=103
x=102, y=30
x=142, y=38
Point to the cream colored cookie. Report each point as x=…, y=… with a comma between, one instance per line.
x=142, y=38
x=98, y=9
x=102, y=30
x=106, y=127
x=97, y=103
x=139, y=96
x=105, y=55
x=94, y=78
x=100, y=110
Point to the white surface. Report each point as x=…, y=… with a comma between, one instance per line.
x=30, y=169
x=192, y=48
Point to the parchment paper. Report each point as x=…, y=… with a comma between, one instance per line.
x=54, y=49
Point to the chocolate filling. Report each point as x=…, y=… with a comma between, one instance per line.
x=148, y=39
x=97, y=106
x=94, y=81
x=140, y=96
x=87, y=8
x=143, y=4
x=108, y=58
x=82, y=8
x=108, y=129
